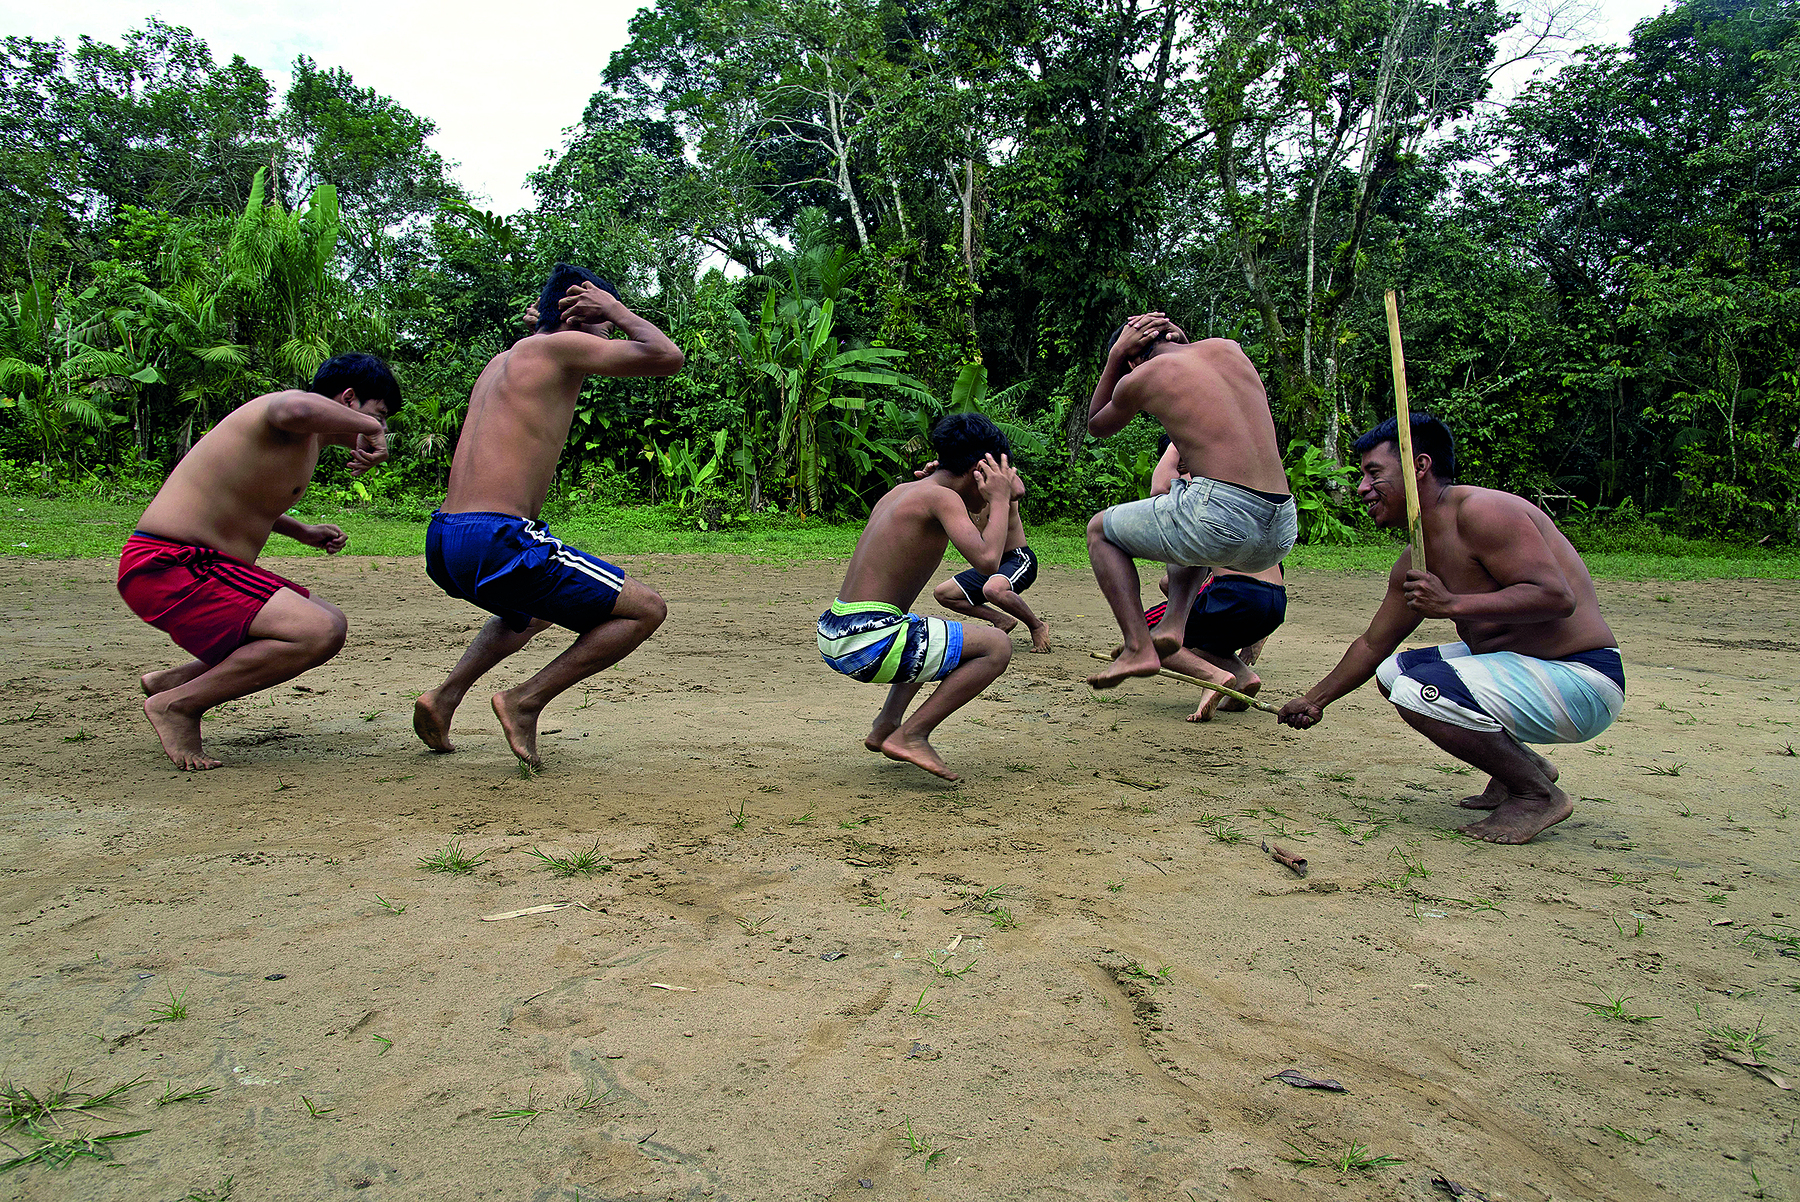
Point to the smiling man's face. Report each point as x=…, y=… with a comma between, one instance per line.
x=1382, y=489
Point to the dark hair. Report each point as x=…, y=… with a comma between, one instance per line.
x=961, y=439
x=1429, y=437
x=562, y=278
x=366, y=374
x=1114, y=338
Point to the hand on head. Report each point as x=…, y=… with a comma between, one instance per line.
x=586, y=306
x=997, y=480
x=531, y=316
x=1142, y=332
x=926, y=470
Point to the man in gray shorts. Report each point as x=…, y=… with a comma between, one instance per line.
x=1233, y=512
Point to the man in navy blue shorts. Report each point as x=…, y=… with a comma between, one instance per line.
x=486, y=544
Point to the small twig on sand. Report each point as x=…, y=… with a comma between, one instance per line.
x=1286, y=858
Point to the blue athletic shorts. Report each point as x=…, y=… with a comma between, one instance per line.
x=1019, y=565
x=512, y=567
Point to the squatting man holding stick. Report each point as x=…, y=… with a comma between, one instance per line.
x=1536, y=664
x=486, y=544
x=189, y=569
x=1232, y=510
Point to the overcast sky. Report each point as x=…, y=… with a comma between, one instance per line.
x=502, y=82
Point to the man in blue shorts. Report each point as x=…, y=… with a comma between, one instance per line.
x=1536, y=662
x=486, y=544
x=867, y=634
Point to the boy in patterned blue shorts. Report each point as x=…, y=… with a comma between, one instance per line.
x=486, y=544
x=867, y=634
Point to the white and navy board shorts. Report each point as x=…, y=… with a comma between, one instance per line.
x=1206, y=523
x=1534, y=700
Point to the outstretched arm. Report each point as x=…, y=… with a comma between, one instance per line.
x=1392, y=622
x=329, y=539
x=588, y=314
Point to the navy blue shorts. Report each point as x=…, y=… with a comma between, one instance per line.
x=512, y=567
x=1018, y=565
x=1230, y=613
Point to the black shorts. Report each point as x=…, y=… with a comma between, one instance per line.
x=1018, y=565
x=1230, y=613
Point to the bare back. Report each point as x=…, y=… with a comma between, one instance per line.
x=901, y=547
x=228, y=491
x=519, y=416
x=1212, y=403
x=1470, y=548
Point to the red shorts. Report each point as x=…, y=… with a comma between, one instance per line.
x=203, y=600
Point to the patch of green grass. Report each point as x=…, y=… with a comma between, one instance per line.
x=1614, y=1007
x=317, y=1112
x=1627, y=1136
x=803, y=819
x=738, y=816
x=173, y=1010
x=578, y=863
x=60, y=1151
x=1002, y=919
x=1225, y=833
x=525, y=1115
x=1664, y=769
x=1353, y=1159
x=389, y=906
x=1752, y=1042
x=921, y=1008
x=198, y=1094
x=918, y=1145
x=80, y=736
x=80, y=528
x=756, y=927
x=19, y=1106
x=452, y=859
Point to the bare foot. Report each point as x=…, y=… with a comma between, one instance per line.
x=520, y=727
x=180, y=737
x=1040, y=638
x=431, y=721
x=1495, y=795
x=1005, y=623
x=1522, y=819
x=1145, y=663
x=168, y=678
x=1251, y=685
x=878, y=734
x=1165, y=644
x=915, y=751
x=1210, y=701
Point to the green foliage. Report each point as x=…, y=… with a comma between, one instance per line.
x=1317, y=484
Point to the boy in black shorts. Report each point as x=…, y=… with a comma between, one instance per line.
x=972, y=592
x=1233, y=615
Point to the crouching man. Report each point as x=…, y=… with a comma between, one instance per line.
x=1536, y=664
x=189, y=569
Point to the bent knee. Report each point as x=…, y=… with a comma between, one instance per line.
x=324, y=635
x=643, y=604
x=996, y=587
x=947, y=592
x=1096, y=527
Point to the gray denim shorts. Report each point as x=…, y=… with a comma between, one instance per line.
x=1206, y=523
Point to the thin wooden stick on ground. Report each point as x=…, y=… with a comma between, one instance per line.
x=1172, y=674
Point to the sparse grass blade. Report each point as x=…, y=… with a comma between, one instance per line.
x=452, y=859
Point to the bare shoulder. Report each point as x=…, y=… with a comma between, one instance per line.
x=1480, y=510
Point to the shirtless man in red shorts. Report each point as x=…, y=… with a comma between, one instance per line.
x=189, y=569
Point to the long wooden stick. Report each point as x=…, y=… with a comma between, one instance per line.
x=1415, y=530
x=1172, y=674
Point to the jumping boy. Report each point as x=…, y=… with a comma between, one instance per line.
x=867, y=633
x=486, y=544
x=189, y=569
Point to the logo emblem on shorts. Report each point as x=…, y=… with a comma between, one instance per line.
x=1429, y=692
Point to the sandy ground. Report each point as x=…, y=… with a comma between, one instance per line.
x=749, y=1008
